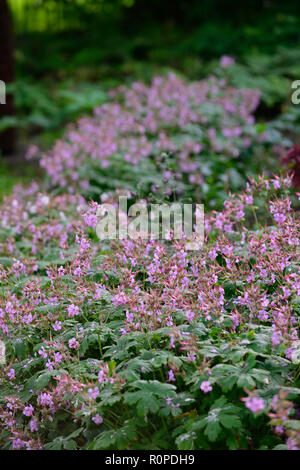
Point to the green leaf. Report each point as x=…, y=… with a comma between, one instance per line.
x=145, y=402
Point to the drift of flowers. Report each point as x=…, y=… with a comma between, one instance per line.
x=206, y=128
x=143, y=344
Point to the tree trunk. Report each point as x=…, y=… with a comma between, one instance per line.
x=7, y=138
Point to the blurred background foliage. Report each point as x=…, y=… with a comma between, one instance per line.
x=68, y=53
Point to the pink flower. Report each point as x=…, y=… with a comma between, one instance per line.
x=57, y=326
x=18, y=444
x=206, y=386
x=102, y=376
x=57, y=357
x=73, y=310
x=249, y=199
x=61, y=271
x=119, y=299
x=45, y=399
x=291, y=445
x=43, y=353
x=99, y=291
x=171, y=377
x=33, y=425
x=28, y=410
x=77, y=272
x=189, y=315
x=226, y=61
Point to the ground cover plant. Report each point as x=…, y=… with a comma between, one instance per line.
x=146, y=345
x=170, y=138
